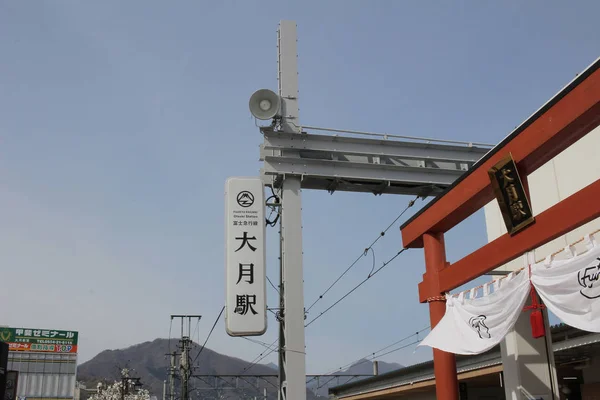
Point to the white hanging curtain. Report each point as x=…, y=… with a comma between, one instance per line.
x=475, y=325
x=570, y=288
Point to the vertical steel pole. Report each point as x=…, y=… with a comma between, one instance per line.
x=444, y=364
x=294, y=387
x=172, y=377
x=293, y=379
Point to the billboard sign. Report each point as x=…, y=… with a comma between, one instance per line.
x=39, y=340
x=246, y=303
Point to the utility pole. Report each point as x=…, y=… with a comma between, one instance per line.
x=292, y=357
x=172, y=374
x=185, y=344
x=294, y=159
x=126, y=381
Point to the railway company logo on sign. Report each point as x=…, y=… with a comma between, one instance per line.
x=246, y=303
x=39, y=340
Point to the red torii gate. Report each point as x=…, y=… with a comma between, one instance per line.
x=566, y=118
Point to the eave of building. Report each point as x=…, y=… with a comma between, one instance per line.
x=426, y=383
x=421, y=375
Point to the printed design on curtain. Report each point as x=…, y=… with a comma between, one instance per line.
x=478, y=324
x=570, y=286
x=475, y=324
x=587, y=278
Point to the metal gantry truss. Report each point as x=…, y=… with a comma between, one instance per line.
x=250, y=385
x=294, y=159
x=352, y=164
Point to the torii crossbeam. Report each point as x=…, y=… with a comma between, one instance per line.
x=566, y=118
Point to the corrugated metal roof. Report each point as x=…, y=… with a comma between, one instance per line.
x=424, y=371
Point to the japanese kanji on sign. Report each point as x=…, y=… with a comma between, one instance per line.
x=246, y=305
x=39, y=340
x=511, y=195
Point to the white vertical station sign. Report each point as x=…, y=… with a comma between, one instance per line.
x=246, y=303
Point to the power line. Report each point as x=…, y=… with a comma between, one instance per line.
x=260, y=357
x=399, y=348
x=323, y=384
x=196, y=330
x=355, y=287
x=374, y=355
x=381, y=355
x=400, y=341
x=274, y=287
x=264, y=344
x=364, y=253
x=209, y=333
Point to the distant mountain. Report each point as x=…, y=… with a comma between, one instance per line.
x=273, y=366
x=362, y=367
x=365, y=367
x=149, y=362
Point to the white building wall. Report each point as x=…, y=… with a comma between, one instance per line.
x=44, y=375
x=570, y=171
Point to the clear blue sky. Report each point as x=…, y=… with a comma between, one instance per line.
x=120, y=121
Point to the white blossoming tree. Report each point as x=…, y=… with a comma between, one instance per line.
x=115, y=392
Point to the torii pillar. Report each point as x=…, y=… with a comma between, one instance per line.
x=567, y=117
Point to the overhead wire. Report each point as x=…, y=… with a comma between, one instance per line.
x=372, y=273
x=385, y=264
x=269, y=347
x=274, y=287
x=374, y=355
x=196, y=330
x=364, y=253
x=261, y=356
x=264, y=344
x=396, y=349
x=374, y=358
x=325, y=383
x=274, y=209
x=209, y=333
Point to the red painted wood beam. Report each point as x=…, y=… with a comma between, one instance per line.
x=444, y=364
x=567, y=120
x=572, y=212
